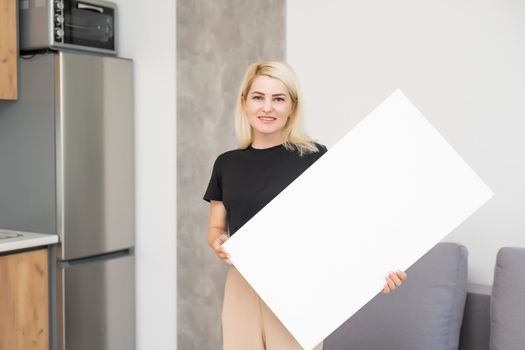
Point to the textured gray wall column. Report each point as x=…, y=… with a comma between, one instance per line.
x=216, y=40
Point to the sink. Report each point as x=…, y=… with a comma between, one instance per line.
x=9, y=235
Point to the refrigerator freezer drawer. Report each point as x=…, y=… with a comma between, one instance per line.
x=97, y=305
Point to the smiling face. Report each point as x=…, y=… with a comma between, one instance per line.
x=268, y=106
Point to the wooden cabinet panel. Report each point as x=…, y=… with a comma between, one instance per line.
x=8, y=50
x=24, y=310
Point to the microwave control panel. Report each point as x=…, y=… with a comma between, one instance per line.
x=59, y=19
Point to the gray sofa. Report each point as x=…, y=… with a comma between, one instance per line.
x=435, y=309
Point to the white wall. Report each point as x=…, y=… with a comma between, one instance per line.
x=460, y=62
x=147, y=35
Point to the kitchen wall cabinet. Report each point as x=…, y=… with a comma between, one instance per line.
x=8, y=49
x=24, y=302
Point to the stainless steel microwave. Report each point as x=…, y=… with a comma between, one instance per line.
x=68, y=24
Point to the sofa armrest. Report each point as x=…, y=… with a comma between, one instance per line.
x=507, y=308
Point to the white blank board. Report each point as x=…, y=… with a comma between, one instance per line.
x=378, y=200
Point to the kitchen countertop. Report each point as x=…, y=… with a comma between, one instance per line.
x=15, y=240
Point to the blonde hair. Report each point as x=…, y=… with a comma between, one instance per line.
x=295, y=138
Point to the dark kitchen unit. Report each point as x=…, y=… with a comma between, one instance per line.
x=67, y=167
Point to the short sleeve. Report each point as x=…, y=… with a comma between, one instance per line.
x=214, y=190
x=315, y=156
x=322, y=149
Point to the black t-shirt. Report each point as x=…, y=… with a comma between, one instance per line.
x=245, y=180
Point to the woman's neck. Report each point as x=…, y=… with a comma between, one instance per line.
x=266, y=141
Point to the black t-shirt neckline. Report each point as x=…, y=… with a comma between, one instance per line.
x=261, y=150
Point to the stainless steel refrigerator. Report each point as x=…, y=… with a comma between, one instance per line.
x=66, y=167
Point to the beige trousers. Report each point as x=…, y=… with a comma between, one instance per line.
x=247, y=323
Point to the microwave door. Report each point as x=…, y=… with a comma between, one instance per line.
x=88, y=25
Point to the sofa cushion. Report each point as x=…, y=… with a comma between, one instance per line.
x=507, y=306
x=424, y=313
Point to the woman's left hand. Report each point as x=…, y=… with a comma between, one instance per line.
x=394, y=280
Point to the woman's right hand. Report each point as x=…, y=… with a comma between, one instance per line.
x=217, y=230
x=219, y=250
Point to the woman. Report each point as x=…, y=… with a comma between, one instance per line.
x=274, y=151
